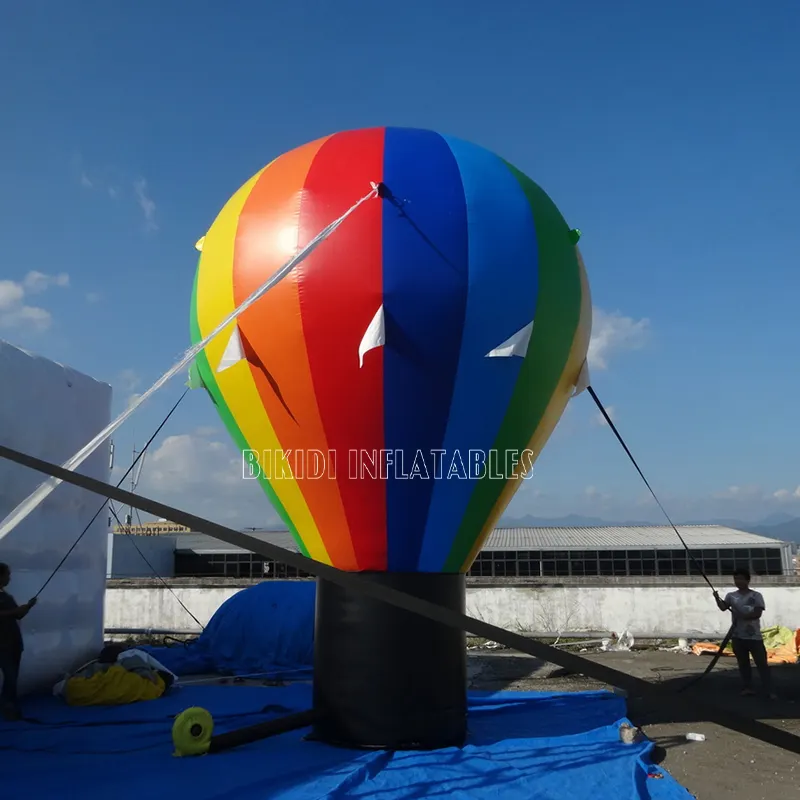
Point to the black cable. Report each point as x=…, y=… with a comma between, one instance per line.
x=166, y=585
x=713, y=662
x=647, y=484
x=152, y=568
x=100, y=510
x=184, y=642
x=728, y=635
x=269, y=709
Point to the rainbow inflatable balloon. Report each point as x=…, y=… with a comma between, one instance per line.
x=391, y=391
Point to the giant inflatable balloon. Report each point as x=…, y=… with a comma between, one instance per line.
x=415, y=364
x=391, y=390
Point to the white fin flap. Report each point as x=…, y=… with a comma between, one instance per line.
x=583, y=380
x=234, y=352
x=374, y=336
x=516, y=345
x=199, y=244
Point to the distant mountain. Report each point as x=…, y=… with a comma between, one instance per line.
x=788, y=531
x=778, y=518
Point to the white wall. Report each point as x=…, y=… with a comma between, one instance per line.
x=643, y=610
x=125, y=556
x=137, y=608
x=50, y=411
x=646, y=611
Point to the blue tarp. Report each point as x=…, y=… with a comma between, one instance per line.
x=266, y=628
x=521, y=746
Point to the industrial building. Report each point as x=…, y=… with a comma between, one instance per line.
x=618, y=551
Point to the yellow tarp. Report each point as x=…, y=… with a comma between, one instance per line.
x=114, y=687
x=783, y=646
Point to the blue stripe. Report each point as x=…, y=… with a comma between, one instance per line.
x=503, y=287
x=424, y=296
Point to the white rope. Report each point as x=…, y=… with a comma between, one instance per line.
x=44, y=489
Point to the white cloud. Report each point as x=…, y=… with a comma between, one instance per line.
x=109, y=181
x=594, y=495
x=36, y=282
x=201, y=472
x=750, y=492
x=146, y=203
x=782, y=495
x=11, y=294
x=128, y=381
x=612, y=333
x=599, y=419
x=206, y=430
x=15, y=312
x=93, y=297
x=82, y=173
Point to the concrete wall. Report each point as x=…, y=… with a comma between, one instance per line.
x=645, y=610
x=125, y=561
x=156, y=607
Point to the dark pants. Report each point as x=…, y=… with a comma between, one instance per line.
x=9, y=666
x=743, y=649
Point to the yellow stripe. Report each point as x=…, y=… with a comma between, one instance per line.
x=555, y=408
x=214, y=302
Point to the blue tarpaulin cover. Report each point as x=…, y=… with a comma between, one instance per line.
x=266, y=628
x=522, y=746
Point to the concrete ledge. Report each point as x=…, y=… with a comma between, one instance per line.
x=596, y=581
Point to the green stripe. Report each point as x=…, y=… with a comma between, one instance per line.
x=210, y=383
x=558, y=309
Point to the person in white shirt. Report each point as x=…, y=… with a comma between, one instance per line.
x=746, y=607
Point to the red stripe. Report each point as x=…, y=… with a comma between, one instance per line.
x=341, y=288
x=265, y=239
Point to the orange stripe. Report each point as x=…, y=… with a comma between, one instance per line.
x=267, y=237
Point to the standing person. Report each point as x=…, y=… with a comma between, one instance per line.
x=746, y=607
x=11, y=645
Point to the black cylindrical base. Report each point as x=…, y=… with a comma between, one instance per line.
x=386, y=678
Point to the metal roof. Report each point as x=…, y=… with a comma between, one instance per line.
x=201, y=543
x=623, y=537
x=612, y=537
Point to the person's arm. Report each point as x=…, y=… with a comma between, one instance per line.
x=18, y=612
x=758, y=610
x=723, y=605
x=753, y=614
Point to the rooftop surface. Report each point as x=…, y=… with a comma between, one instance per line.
x=612, y=537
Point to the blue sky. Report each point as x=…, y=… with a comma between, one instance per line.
x=666, y=132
